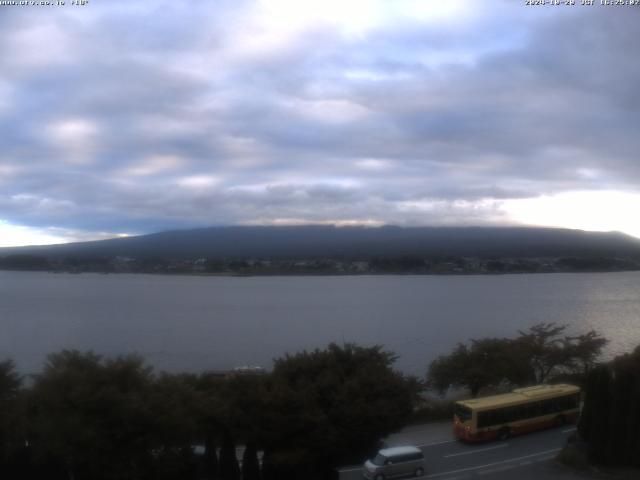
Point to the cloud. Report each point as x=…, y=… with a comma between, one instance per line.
x=153, y=165
x=141, y=117
x=12, y=235
x=601, y=210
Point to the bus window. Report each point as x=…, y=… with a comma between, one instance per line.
x=463, y=413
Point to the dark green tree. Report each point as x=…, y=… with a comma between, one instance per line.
x=484, y=363
x=12, y=426
x=610, y=416
x=633, y=429
x=621, y=388
x=91, y=415
x=537, y=355
x=599, y=399
x=243, y=400
x=624, y=439
x=210, y=459
x=544, y=349
x=174, y=464
x=250, y=464
x=332, y=406
x=229, y=468
x=584, y=351
x=212, y=413
x=174, y=403
x=268, y=468
x=549, y=351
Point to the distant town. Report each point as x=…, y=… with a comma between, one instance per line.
x=321, y=266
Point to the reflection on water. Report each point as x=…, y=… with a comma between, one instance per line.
x=196, y=323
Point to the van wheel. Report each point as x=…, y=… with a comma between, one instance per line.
x=379, y=477
x=504, y=433
x=419, y=472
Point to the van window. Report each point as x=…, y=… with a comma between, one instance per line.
x=407, y=457
x=379, y=460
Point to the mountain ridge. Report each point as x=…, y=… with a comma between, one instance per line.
x=321, y=241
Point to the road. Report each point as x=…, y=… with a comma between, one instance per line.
x=523, y=457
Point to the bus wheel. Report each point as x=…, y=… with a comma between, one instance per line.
x=419, y=472
x=504, y=433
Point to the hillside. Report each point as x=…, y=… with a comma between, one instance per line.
x=347, y=243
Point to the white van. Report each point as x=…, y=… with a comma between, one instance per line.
x=396, y=462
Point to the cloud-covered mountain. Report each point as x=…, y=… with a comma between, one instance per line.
x=147, y=116
x=348, y=242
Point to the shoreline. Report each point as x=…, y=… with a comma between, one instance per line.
x=317, y=274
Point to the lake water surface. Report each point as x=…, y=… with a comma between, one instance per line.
x=194, y=323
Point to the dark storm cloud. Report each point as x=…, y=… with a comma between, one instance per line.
x=140, y=117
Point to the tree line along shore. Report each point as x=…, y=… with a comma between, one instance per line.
x=448, y=265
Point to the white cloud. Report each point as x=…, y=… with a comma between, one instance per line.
x=16, y=235
x=356, y=17
x=7, y=171
x=5, y=96
x=327, y=111
x=12, y=235
x=76, y=139
x=39, y=45
x=586, y=210
x=153, y=165
x=373, y=164
x=198, y=181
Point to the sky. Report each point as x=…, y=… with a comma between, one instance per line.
x=128, y=117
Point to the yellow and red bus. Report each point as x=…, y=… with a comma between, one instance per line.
x=521, y=411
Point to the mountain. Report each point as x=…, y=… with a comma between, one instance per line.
x=348, y=242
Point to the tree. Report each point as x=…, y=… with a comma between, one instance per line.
x=584, y=351
x=549, y=352
x=11, y=415
x=535, y=356
x=91, y=415
x=544, y=348
x=486, y=362
x=243, y=400
x=331, y=406
x=210, y=460
x=610, y=420
x=599, y=399
x=268, y=468
x=229, y=468
x=617, y=445
x=173, y=463
x=212, y=409
x=250, y=465
x=174, y=403
x=623, y=437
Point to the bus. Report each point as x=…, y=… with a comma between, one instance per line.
x=521, y=411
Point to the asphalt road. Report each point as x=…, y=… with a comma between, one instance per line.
x=524, y=457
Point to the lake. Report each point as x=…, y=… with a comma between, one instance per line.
x=195, y=323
